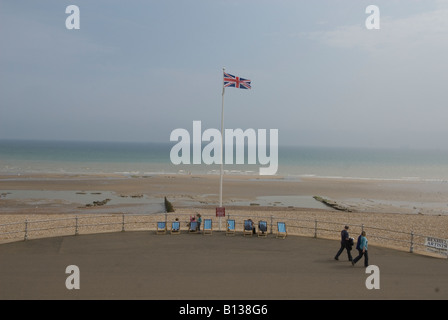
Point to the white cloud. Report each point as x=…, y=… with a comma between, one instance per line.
x=416, y=33
x=398, y=84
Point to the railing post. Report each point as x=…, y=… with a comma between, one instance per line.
x=26, y=230
x=411, y=249
x=76, y=225
x=122, y=223
x=315, y=228
x=362, y=227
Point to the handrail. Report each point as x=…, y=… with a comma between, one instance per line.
x=126, y=222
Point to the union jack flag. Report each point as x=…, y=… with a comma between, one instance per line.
x=230, y=81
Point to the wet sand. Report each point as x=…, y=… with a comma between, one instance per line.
x=377, y=196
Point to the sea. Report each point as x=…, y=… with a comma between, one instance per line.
x=147, y=158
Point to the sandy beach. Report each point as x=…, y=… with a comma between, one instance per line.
x=401, y=206
x=357, y=195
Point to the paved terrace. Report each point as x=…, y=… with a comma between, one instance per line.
x=143, y=265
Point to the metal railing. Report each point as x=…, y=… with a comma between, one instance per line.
x=85, y=224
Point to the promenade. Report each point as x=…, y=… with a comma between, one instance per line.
x=143, y=265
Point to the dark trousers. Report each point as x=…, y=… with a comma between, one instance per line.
x=366, y=258
x=344, y=246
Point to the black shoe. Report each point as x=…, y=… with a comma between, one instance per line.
x=353, y=264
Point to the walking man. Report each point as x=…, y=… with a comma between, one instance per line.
x=362, y=250
x=345, y=238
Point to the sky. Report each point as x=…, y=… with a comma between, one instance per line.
x=137, y=70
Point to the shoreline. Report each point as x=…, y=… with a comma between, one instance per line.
x=410, y=206
x=356, y=195
x=237, y=174
x=384, y=208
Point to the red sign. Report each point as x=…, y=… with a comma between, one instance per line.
x=220, y=212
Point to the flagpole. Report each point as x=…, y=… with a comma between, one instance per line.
x=222, y=147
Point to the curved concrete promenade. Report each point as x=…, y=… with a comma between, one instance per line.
x=143, y=265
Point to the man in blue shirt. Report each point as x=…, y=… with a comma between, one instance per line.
x=362, y=250
x=345, y=244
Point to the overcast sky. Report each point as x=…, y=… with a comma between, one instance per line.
x=136, y=70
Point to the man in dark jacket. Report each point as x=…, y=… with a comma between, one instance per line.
x=345, y=244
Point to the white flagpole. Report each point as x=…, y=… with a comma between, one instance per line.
x=222, y=147
x=222, y=140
